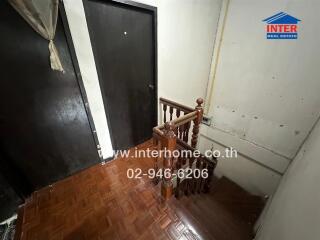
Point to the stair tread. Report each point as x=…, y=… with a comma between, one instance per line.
x=228, y=209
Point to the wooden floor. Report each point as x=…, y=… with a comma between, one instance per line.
x=102, y=203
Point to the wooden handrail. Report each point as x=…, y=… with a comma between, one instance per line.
x=193, y=186
x=174, y=135
x=173, y=104
x=178, y=121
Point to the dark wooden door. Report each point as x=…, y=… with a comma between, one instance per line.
x=44, y=128
x=123, y=37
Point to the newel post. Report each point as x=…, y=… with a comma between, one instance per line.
x=169, y=144
x=197, y=122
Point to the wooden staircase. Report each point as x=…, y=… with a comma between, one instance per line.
x=228, y=209
x=180, y=135
x=226, y=212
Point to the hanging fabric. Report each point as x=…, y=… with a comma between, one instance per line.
x=42, y=17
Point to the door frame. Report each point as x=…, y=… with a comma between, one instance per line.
x=153, y=10
x=76, y=67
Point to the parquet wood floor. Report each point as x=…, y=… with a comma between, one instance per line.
x=102, y=203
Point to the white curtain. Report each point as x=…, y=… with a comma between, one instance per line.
x=42, y=16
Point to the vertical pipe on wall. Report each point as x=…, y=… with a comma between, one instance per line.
x=216, y=54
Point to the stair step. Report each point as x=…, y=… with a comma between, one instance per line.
x=228, y=209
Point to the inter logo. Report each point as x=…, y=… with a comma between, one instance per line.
x=282, y=26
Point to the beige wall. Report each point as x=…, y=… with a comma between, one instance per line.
x=294, y=211
x=265, y=93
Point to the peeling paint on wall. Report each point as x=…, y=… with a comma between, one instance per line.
x=279, y=138
x=266, y=92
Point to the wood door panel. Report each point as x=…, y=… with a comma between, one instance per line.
x=44, y=128
x=123, y=41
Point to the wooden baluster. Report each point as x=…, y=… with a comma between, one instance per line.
x=171, y=112
x=164, y=113
x=186, y=182
x=178, y=113
x=185, y=186
x=178, y=128
x=156, y=164
x=189, y=185
x=184, y=161
x=184, y=129
x=201, y=167
x=178, y=166
x=169, y=143
x=197, y=122
x=207, y=184
x=176, y=131
x=196, y=180
x=203, y=180
x=186, y=132
x=154, y=140
x=181, y=131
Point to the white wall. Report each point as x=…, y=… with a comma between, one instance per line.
x=294, y=211
x=265, y=96
x=243, y=170
x=186, y=34
x=81, y=40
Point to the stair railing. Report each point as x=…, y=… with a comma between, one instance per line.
x=174, y=135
